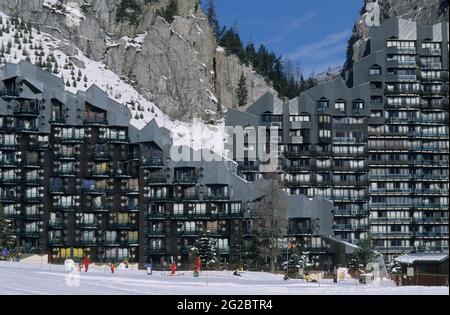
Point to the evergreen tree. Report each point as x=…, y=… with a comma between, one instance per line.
x=206, y=249
x=7, y=238
x=364, y=254
x=211, y=13
x=170, y=12
x=242, y=91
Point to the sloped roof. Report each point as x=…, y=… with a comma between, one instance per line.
x=412, y=258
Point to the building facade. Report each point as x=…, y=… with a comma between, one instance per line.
x=77, y=179
x=375, y=142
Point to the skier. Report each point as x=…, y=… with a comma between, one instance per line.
x=86, y=263
x=5, y=253
x=236, y=273
x=113, y=267
x=286, y=277
x=174, y=268
x=149, y=266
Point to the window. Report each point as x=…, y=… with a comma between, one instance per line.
x=358, y=105
x=300, y=118
x=375, y=70
x=325, y=133
x=322, y=104
x=178, y=208
x=340, y=106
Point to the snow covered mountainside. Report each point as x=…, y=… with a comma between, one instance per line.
x=172, y=62
x=20, y=41
x=34, y=279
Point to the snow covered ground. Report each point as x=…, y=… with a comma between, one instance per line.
x=34, y=278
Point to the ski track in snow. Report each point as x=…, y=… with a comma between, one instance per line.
x=35, y=278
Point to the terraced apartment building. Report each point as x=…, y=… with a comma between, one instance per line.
x=375, y=143
x=77, y=179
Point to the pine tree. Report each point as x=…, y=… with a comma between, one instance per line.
x=206, y=248
x=242, y=91
x=7, y=239
x=211, y=13
x=364, y=254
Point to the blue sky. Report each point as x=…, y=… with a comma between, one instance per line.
x=313, y=33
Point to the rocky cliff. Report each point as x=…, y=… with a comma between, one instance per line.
x=175, y=64
x=427, y=12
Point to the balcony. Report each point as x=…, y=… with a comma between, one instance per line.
x=186, y=179
x=157, y=233
x=88, y=242
x=431, y=220
x=124, y=226
x=72, y=139
x=65, y=173
x=152, y=163
x=297, y=154
x=393, y=234
x=100, y=156
x=351, y=227
x=26, y=111
x=97, y=208
x=57, y=242
x=9, y=93
x=8, y=163
x=151, y=180
x=350, y=214
x=156, y=250
x=26, y=128
x=65, y=207
x=95, y=120
x=156, y=216
x=132, y=208
x=391, y=220
x=432, y=234
x=32, y=199
x=87, y=225
x=121, y=173
x=299, y=231
x=32, y=234
x=94, y=190
x=65, y=156
x=394, y=249
x=431, y=52
x=6, y=145
x=394, y=50
x=217, y=197
x=99, y=173
x=32, y=217
x=57, y=225
x=57, y=120
x=118, y=139
x=9, y=181
x=223, y=250
x=132, y=190
x=31, y=163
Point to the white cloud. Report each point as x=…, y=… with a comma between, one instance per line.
x=329, y=45
x=294, y=25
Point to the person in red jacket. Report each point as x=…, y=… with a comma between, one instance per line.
x=174, y=268
x=113, y=267
x=86, y=263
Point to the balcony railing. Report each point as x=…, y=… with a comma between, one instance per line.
x=9, y=92
x=153, y=162
x=26, y=111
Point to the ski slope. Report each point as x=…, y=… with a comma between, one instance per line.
x=35, y=278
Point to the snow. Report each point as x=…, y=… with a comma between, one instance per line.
x=135, y=41
x=412, y=258
x=71, y=11
x=196, y=134
x=35, y=278
x=220, y=49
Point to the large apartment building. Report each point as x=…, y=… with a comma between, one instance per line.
x=77, y=179
x=375, y=143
